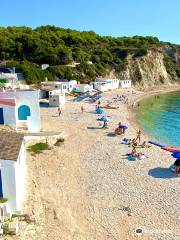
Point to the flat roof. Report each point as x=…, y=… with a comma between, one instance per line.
x=10, y=145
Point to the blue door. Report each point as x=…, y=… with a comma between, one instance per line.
x=1, y=116
x=23, y=112
x=1, y=190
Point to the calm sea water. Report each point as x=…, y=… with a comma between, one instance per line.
x=160, y=117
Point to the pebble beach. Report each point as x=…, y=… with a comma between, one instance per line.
x=87, y=189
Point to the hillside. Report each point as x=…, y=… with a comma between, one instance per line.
x=145, y=60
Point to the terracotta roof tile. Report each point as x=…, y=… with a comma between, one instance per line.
x=10, y=144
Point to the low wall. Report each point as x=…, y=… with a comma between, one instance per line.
x=49, y=137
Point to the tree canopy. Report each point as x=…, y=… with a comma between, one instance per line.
x=28, y=48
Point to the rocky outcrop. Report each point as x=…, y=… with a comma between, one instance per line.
x=156, y=68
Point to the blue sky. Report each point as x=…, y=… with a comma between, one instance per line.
x=159, y=18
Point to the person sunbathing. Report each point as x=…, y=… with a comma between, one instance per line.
x=134, y=153
x=133, y=143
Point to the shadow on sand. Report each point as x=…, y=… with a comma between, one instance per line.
x=111, y=134
x=94, y=128
x=160, y=172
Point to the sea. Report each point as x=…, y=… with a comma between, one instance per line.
x=159, y=117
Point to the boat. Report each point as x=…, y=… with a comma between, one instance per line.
x=171, y=149
x=109, y=107
x=157, y=143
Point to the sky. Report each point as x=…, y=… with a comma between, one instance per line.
x=160, y=18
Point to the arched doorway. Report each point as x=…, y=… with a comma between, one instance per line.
x=23, y=112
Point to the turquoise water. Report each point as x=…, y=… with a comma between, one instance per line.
x=160, y=117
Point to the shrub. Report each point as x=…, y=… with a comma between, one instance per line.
x=59, y=142
x=38, y=147
x=141, y=52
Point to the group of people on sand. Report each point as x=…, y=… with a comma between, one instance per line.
x=122, y=98
x=135, y=143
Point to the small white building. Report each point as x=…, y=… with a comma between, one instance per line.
x=105, y=84
x=44, y=66
x=55, y=97
x=55, y=85
x=83, y=88
x=125, y=83
x=64, y=86
x=57, y=100
x=20, y=109
x=45, y=92
x=13, y=79
x=70, y=85
x=12, y=171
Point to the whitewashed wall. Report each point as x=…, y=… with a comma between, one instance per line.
x=83, y=88
x=57, y=100
x=125, y=83
x=13, y=181
x=9, y=115
x=31, y=99
x=20, y=176
x=115, y=83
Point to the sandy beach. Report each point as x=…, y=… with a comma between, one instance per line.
x=87, y=189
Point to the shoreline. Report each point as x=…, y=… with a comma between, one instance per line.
x=136, y=99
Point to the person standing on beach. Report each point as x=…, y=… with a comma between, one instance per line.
x=177, y=165
x=138, y=138
x=82, y=109
x=59, y=111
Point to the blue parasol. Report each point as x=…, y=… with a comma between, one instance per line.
x=176, y=154
x=105, y=119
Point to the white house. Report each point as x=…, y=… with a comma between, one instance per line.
x=83, y=88
x=13, y=79
x=70, y=85
x=57, y=100
x=55, y=85
x=12, y=171
x=20, y=109
x=64, y=86
x=45, y=92
x=105, y=84
x=125, y=83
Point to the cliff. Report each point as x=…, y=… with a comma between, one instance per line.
x=158, y=67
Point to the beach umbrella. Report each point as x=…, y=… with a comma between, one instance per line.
x=99, y=111
x=105, y=119
x=176, y=154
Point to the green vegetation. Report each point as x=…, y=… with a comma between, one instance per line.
x=38, y=147
x=27, y=49
x=59, y=142
x=3, y=200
